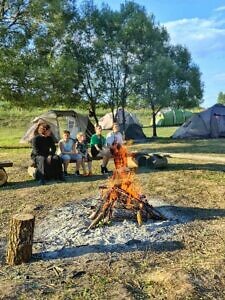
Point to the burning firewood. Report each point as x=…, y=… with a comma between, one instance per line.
x=124, y=195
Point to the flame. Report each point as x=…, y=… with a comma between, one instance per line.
x=123, y=189
x=123, y=177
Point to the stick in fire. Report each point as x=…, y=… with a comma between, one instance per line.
x=123, y=193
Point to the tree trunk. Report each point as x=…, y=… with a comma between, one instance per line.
x=154, y=124
x=92, y=112
x=124, y=119
x=20, y=239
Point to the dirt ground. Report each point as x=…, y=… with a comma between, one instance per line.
x=188, y=267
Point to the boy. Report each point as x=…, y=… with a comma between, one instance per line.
x=82, y=149
x=68, y=152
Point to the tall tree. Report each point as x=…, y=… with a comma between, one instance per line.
x=120, y=37
x=168, y=78
x=88, y=55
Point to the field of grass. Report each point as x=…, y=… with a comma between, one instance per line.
x=193, y=180
x=15, y=122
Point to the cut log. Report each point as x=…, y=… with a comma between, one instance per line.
x=3, y=176
x=20, y=239
x=142, y=160
x=32, y=171
x=120, y=214
x=132, y=163
x=123, y=206
x=6, y=163
x=157, y=161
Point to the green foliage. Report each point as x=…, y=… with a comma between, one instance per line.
x=221, y=98
x=56, y=52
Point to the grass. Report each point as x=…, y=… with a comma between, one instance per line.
x=194, y=179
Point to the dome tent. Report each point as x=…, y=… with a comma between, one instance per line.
x=74, y=122
x=209, y=123
x=172, y=117
x=133, y=128
x=107, y=120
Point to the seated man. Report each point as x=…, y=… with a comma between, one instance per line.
x=68, y=152
x=99, y=149
x=48, y=164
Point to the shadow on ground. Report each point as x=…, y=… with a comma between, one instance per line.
x=14, y=185
x=186, y=166
x=130, y=246
x=187, y=145
x=190, y=214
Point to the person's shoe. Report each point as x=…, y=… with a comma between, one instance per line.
x=65, y=173
x=90, y=173
x=106, y=171
x=62, y=178
x=77, y=173
x=42, y=182
x=85, y=174
x=102, y=169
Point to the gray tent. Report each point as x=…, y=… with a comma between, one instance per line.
x=133, y=128
x=69, y=119
x=209, y=123
x=107, y=120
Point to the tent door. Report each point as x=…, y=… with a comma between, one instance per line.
x=72, y=127
x=220, y=124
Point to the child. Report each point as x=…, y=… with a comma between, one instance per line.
x=99, y=149
x=68, y=152
x=82, y=149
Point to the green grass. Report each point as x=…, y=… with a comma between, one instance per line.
x=194, y=180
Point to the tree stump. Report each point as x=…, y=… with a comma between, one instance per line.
x=20, y=239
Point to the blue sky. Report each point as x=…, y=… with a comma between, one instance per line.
x=200, y=26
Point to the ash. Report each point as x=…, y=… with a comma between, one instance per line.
x=64, y=232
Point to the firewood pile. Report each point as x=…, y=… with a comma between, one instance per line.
x=122, y=200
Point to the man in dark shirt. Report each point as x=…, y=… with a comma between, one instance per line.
x=48, y=164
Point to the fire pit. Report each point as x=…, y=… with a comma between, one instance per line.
x=121, y=199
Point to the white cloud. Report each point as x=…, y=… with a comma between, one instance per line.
x=201, y=36
x=221, y=8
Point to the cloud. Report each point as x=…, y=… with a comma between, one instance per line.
x=221, y=8
x=219, y=77
x=201, y=36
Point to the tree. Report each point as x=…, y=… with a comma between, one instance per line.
x=221, y=98
x=35, y=67
x=120, y=36
x=88, y=55
x=167, y=77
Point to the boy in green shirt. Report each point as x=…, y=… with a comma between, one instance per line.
x=99, y=150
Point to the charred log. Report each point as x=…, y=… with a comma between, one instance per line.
x=118, y=204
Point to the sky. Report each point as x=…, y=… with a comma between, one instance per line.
x=199, y=25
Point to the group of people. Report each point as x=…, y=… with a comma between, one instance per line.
x=50, y=165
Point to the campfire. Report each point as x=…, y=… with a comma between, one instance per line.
x=122, y=198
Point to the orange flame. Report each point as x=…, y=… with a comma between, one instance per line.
x=123, y=177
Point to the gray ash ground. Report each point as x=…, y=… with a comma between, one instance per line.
x=64, y=232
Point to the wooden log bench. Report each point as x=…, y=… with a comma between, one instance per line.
x=3, y=174
x=32, y=169
x=132, y=164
